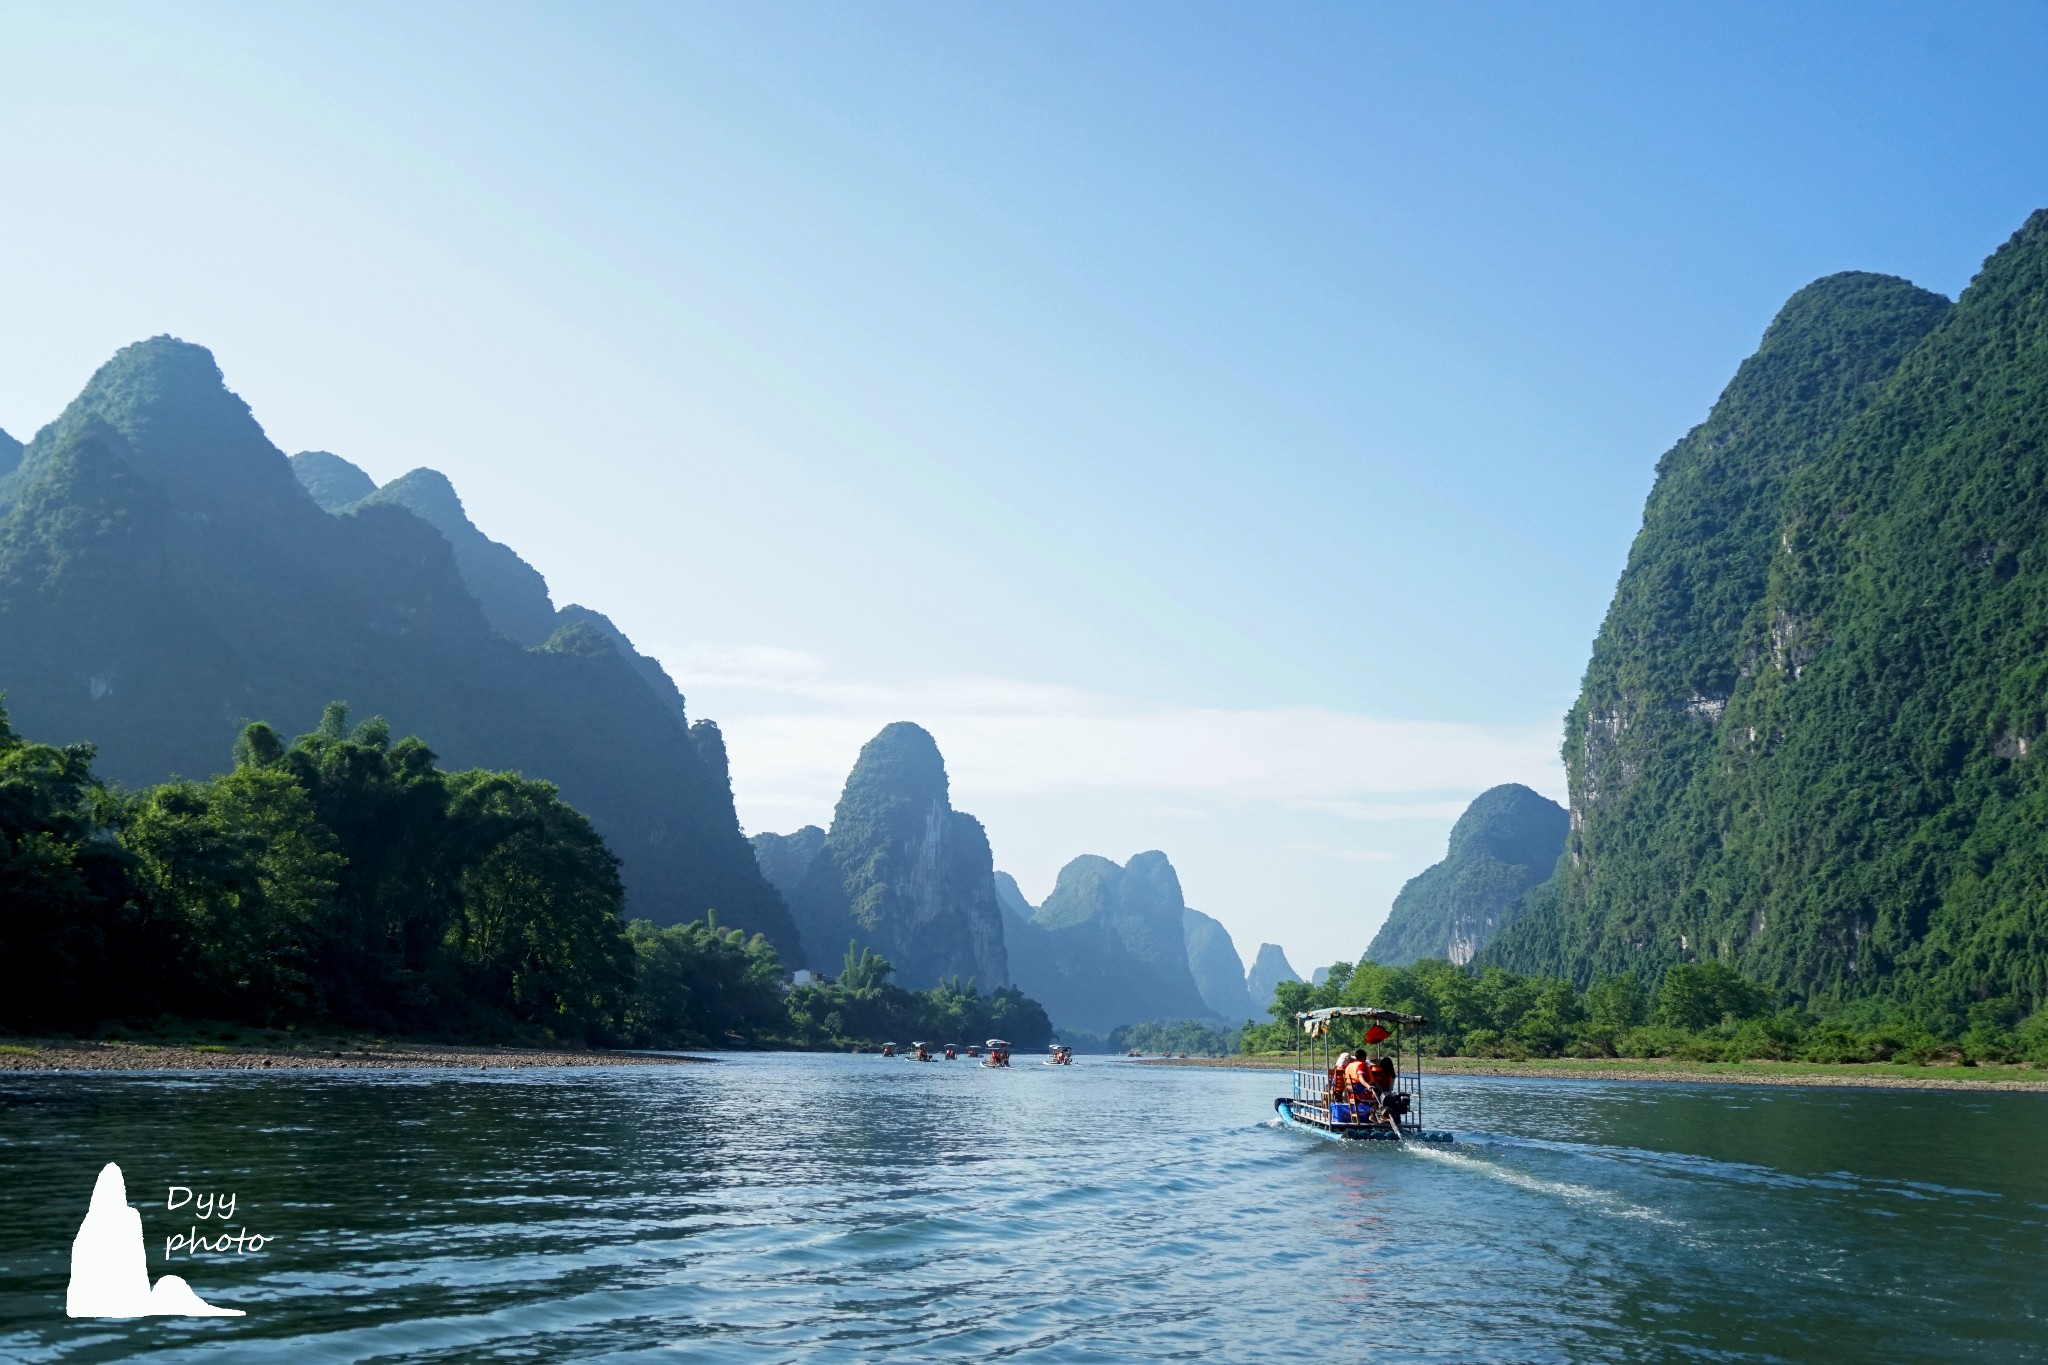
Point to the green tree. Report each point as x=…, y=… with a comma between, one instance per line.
x=248, y=873
x=1617, y=1002
x=76, y=941
x=1697, y=995
x=696, y=984
x=537, y=930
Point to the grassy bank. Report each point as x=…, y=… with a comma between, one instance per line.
x=1878, y=1074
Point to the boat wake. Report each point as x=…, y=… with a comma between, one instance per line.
x=1585, y=1196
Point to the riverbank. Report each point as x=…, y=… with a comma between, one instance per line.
x=1865, y=1075
x=321, y=1054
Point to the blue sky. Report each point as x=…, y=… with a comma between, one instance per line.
x=1220, y=424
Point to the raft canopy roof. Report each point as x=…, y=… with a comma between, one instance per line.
x=996, y=1042
x=1316, y=1023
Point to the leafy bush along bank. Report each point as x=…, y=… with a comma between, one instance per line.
x=862, y=1007
x=346, y=881
x=1703, y=1012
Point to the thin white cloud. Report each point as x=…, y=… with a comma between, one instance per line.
x=1376, y=811
x=1253, y=804
x=795, y=727
x=1349, y=855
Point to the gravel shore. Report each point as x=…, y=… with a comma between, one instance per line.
x=1875, y=1076
x=64, y=1055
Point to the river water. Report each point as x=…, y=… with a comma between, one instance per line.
x=804, y=1207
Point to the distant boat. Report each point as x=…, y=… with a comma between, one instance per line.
x=888, y=1049
x=1324, y=1102
x=952, y=1051
x=923, y=1052
x=998, y=1054
x=1062, y=1055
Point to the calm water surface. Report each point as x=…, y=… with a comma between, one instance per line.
x=800, y=1208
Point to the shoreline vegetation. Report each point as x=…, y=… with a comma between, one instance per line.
x=70, y=1055
x=1866, y=1075
x=346, y=885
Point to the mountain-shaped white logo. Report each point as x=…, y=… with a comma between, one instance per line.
x=109, y=1271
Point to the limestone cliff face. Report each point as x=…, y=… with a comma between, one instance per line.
x=1507, y=841
x=1218, y=970
x=904, y=873
x=1109, y=946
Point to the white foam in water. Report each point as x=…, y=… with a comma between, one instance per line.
x=1574, y=1194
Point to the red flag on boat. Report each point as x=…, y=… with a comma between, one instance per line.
x=1376, y=1034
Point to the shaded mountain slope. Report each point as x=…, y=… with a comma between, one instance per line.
x=164, y=577
x=1217, y=969
x=513, y=593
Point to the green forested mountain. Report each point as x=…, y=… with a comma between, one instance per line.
x=164, y=578
x=1807, y=745
x=1108, y=946
x=513, y=594
x=1506, y=842
x=511, y=591
x=10, y=454
x=331, y=481
x=1218, y=970
x=900, y=872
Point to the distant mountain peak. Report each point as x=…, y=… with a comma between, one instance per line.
x=1109, y=945
x=1268, y=970
x=903, y=760
x=331, y=481
x=1506, y=843
x=900, y=870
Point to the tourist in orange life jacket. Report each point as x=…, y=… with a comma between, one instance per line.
x=1358, y=1078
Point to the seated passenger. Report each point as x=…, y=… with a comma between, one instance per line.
x=1357, y=1080
x=1383, y=1079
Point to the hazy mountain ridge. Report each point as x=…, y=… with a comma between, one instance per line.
x=164, y=577
x=1507, y=841
x=1108, y=946
x=1269, y=968
x=1823, y=771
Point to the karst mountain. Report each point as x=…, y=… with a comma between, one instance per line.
x=1505, y=843
x=899, y=872
x=165, y=578
x=1809, y=739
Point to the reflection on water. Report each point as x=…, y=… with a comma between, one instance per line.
x=790, y=1207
